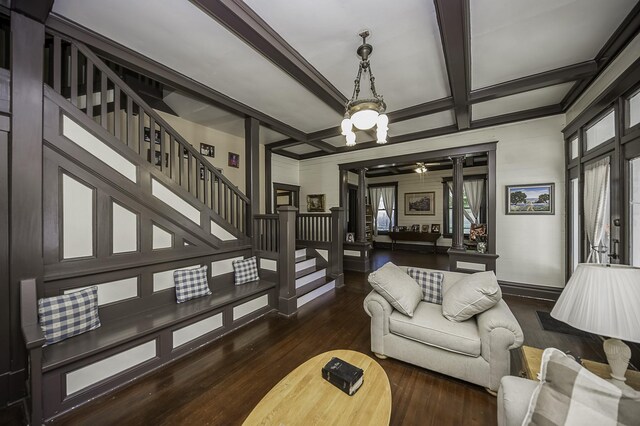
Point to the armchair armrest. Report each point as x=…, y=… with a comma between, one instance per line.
x=499, y=320
x=379, y=310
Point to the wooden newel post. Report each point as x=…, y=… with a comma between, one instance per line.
x=337, y=239
x=287, y=300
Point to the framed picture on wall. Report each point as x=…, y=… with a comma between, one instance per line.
x=435, y=228
x=420, y=203
x=351, y=237
x=234, y=160
x=538, y=198
x=315, y=203
x=147, y=135
x=207, y=150
x=158, y=156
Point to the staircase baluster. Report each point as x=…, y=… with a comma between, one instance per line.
x=141, y=148
x=172, y=156
x=74, y=75
x=103, y=100
x=116, y=112
x=152, y=142
x=89, y=89
x=130, y=128
x=57, y=68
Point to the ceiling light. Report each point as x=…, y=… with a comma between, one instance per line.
x=364, y=114
x=422, y=168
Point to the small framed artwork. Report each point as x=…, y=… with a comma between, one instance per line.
x=202, y=172
x=395, y=229
x=415, y=228
x=425, y=228
x=530, y=199
x=185, y=153
x=315, y=202
x=234, y=160
x=420, y=203
x=402, y=228
x=158, y=156
x=435, y=228
x=147, y=135
x=207, y=150
x=351, y=237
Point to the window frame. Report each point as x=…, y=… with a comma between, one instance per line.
x=393, y=184
x=446, y=207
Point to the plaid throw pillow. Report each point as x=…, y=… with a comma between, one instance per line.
x=431, y=283
x=245, y=270
x=191, y=283
x=569, y=394
x=68, y=315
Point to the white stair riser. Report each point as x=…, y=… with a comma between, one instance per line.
x=315, y=293
x=311, y=277
x=306, y=264
x=301, y=253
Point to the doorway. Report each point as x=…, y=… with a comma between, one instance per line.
x=285, y=195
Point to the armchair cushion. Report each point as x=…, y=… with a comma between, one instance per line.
x=428, y=326
x=470, y=296
x=431, y=283
x=398, y=288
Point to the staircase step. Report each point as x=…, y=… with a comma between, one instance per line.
x=305, y=264
x=308, y=297
x=307, y=288
x=306, y=279
x=301, y=253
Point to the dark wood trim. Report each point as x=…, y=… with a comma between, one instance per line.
x=528, y=114
x=27, y=39
x=420, y=110
x=241, y=20
x=457, y=242
x=285, y=153
x=491, y=202
x=37, y=10
x=5, y=293
x=252, y=169
x=268, y=180
x=128, y=58
x=623, y=35
x=295, y=189
x=530, y=290
x=324, y=146
x=453, y=22
x=536, y=81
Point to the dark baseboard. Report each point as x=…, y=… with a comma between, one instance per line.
x=530, y=290
x=410, y=247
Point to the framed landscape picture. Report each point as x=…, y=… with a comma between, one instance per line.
x=536, y=198
x=420, y=203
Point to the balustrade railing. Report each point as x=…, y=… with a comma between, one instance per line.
x=77, y=74
x=313, y=227
x=266, y=229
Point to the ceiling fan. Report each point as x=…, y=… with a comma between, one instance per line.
x=422, y=167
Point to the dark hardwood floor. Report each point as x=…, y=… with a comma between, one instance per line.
x=221, y=383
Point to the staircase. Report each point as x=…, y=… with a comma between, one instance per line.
x=311, y=276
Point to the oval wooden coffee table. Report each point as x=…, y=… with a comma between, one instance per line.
x=304, y=397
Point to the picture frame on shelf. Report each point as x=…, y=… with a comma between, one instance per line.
x=530, y=199
x=425, y=228
x=234, y=160
x=415, y=228
x=477, y=230
x=435, y=228
x=207, y=150
x=420, y=203
x=350, y=237
x=315, y=203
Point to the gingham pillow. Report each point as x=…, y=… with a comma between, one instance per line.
x=191, y=283
x=245, y=270
x=430, y=282
x=68, y=315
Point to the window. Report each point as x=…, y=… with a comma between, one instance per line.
x=575, y=223
x=573, y=148
x=634, y=213
x=634, y=109
x=448, y=211
x=384, y=223
x=601, y=131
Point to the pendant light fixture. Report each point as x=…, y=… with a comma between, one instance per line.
x=364, y=114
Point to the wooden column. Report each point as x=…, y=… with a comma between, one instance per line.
x=268, y=185
x=344, y=195
x=287, y=300
x=336, y=254
x=252, y=169
x=27, y=41
x=361, y=236
x=458, y=203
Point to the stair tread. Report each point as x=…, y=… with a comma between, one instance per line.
x=304, y=258
x=308, y=271
x=307, y=288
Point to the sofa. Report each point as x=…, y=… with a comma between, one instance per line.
x=475, y=350
x=514, y=396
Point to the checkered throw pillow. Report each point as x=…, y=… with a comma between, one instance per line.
x=68, y=315
x=569, y=394
x=245, y=270
x=431, y=283
x=191, y=283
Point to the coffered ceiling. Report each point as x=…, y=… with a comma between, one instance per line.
x=442, y=65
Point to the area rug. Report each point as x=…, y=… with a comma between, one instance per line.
x=551, y=324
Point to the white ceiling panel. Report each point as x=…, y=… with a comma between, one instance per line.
x=432, y=121
x=180, y=36
x=522, y=101
x=407, y=58
x=516, y=38
x=267, y=135
x=337, y=141
x=302, y=149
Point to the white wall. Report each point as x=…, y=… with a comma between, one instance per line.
x=531, y=248
x=285, y=170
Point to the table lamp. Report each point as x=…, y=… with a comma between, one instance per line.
x=604, y=300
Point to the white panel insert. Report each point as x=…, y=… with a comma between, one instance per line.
x=174, y=201
x=195, y=330
x=113, y=291
x=161, y=238
x=225, y=266
x=324, y=254
x=164, y=280
x=268, y=264
x=125, y=229
x=352, y=253
x=97, y=148
x=221, y=233
x=77, y=218
x=108, y=367
x=251, y=306
x=471, y=266
x=302, y=300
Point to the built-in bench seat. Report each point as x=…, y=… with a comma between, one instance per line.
x=139, y=325
x=71, y=372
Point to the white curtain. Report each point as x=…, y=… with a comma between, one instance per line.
x=389, y=200
x=596, y=203
x=467, y=213
x=374, y=199
x=474, y=189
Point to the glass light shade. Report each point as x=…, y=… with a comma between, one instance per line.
x=381, y=133
x=383, y=121
x=346, y=126
x=351, y=139
x=364, y=119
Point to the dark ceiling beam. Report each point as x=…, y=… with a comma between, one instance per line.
x=420, y=110
x=34, y=9
x=625, y=32
x=283, y=144
x=287, y=154
x=528, y=114
x=128, y=58
x=453, y=21
x=536, y=81
x=241, y=20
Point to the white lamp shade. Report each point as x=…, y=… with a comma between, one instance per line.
x=383, y=121
x=351, y=139
x=364, y=119
x=346, y=126
x=603, y=300
x=381, y=134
